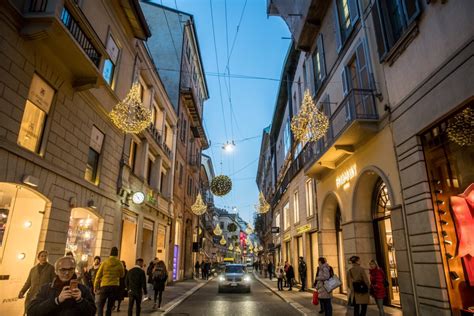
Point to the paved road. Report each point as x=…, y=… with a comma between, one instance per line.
x=260, y=301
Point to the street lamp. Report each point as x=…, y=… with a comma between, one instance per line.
x=229, y=146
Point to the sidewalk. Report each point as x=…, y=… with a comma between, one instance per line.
x=172, y=296
x=302, y=301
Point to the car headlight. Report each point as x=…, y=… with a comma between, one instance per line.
x=247, y=278
x=221, y=278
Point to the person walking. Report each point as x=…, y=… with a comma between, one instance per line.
x=149, y=273
x=208, y=269
x=64, y=296
x=40, y=274
x=92, y=273
x=285, y=269
x=160, y=275
x=122, y=293
x=302, y=272
x=279, y=274
x=323, y=273
x=107, y=281
x=290, y=275
x=270, y=269
x=135, y=282
x=377, y=285
x=359, y=285
x=196, y=268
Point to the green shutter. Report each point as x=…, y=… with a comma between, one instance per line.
x=337, y=28
x=379, y=30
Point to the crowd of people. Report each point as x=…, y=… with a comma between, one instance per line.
x=70, y=288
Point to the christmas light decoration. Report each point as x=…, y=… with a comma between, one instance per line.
x=199, y=207
x=221, y=185
x=248, y=229
x=231, y=248
x=223, y=241
x=310, y=124
x=260, y=248
x=263, y=205
x=129, y=115
x=238, y=250
x=461, y=128
x=217, y=231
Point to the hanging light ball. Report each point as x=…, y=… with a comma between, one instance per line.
x=129, y=115
x=262, y=207
x=217, y=231
x=310, y=124
x=221, y=185
x=461, y=128
x=199, y=207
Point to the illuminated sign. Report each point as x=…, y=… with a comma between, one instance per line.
x=303, y=229
x=175, y=262
x=286, y=237
x=346, y=176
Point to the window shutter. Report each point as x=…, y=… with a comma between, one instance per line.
x=362, y=66
x=345, y=82
x=337, y=28
x=379, y=31
x=322, y=59
x=353, y=11
x=412, y=10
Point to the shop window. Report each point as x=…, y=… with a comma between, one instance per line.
x=110, y=65
x=392, y=19
x=296, y=207
x=346, y=14
x=340, y=249
x=82, y=235
x=309, y=198
x=40, y=97
x=95, y=148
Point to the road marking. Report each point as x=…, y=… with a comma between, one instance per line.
x=180, y=299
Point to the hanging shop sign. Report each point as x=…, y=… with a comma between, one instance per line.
x=346, y=176
x=275, y=230
x=303, y=229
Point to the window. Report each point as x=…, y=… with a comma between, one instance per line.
x=277, y=220
x=305, y=76
x=286, y=216
x=180, y=174
x=110, y=65
x=286, y=138
x=296, y=207
x=40, y=97
x=346, y=15
x=309, y=198
x=133, y=155
x=190, y=185
x=356, y=74
x=392, y=19
x=95, y=148
x=149, y=168
x=319, y=64
x=162, y=181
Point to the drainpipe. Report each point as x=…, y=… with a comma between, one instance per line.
x=390, y=124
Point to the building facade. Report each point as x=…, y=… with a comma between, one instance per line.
x=383, y=190
x=176, y=54
x=60, y=153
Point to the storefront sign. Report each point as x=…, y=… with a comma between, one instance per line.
x=175, y=262
x=286, y=237
x=346, y=176
x=303, y=229
x=97, y=139
x=275, y=230
x=41, y=93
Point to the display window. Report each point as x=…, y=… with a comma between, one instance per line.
x=82, y=238
x=449, y=153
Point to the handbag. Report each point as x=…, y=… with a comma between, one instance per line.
x=360, y=287
x=315, y=298
x=332, y=283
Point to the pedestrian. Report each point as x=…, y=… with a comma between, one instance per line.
x=196, y=268
x=208, y=269
x=136, y=282
x=160, y=275
x=122, y=293
x=377, y=285
x=359, y=285
x=107, y=282
x=64, y=296
x=285, y=269
x=280, y=274
x=270, y=269
x=302, y=272
x=40, y=274
x=92, y=273
x=149, y=273
x=323, y=273
x=290, y=275
x=203, y=270
x=265, y=269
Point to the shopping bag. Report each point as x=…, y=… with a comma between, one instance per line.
x=315, y=298
x=332, y=283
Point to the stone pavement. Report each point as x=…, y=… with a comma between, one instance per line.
x=302, y=301
x=172, y=296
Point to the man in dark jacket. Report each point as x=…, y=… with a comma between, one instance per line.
x=302, y=272
x=65, y=296
x=290, y=275
x=135, y=282
x=270, y=269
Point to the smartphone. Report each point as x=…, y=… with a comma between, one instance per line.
x=73, y=284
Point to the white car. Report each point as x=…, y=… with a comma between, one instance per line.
x=235, y=276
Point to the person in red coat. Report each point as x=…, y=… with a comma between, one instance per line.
x=377, y=285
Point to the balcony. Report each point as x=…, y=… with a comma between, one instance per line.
x=63, y=33
x=353, y=123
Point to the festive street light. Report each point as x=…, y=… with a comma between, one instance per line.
x=310, y=124
x=199, y=207
x=229, y=146
x=223, y=241
x=217, y=231
x=262, y=207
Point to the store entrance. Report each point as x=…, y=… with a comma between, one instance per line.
x=21, y=219
x=128, y=247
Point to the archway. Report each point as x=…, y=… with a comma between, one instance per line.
x=21, y=218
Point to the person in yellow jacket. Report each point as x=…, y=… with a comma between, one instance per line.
x=107, y=282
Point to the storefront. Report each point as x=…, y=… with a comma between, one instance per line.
x=449, y=153
x=128, y=246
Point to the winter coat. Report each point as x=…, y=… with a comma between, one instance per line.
x=290, y=273
x=149, y=271
x=302, y=269
x=357, y=274
x=44, y=303
x=159, y=280
x=323, y=274
x=377, y=288
x=135, y=281
x=36, y=280
x=109, y=274
x=279, y=272
x=91, y=277
x=122, y=287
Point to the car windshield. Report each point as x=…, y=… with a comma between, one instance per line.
x=234, y=269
